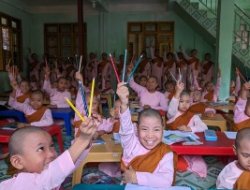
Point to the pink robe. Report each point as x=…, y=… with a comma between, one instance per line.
x=164, y=172
x=228, y=176
x=56, y=97
x=216, y=91
x=50, y=178
x=155, y=100
x=46, y=119
x=239, y=111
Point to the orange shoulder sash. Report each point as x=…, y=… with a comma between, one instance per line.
x=181, y=120
x=243, y=182
x=37, y=115
x=209, y=96
x=198, y=108
x=241, y=125
x=22, y=98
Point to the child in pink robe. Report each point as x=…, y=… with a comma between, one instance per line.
x=207, y=68
x=148, y=139
x=149, y=96
x=242, y=108
x=178, y=106
x=211, y=92
x=33, y=154
x=34, y=105
x=57, y=95
x=231, y=175
x=105, y=126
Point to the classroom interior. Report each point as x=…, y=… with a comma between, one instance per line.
x=66, y=28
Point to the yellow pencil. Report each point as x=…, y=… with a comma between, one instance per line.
x=74, y=108
x=91, y=97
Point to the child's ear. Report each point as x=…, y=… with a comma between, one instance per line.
x=234, y=149
x=16, y=161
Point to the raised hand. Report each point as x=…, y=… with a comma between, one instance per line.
x=88, y=128
x=179, y=88
x=123, y=93
x=129, y=176
x=78, y=76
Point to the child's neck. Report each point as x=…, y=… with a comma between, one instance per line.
x=239, y=166
x=152, y=91
x=61, y=90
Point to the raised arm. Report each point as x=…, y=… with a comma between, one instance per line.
x=174, y=103
x=240, y=106
x=217, y=87
x=47, y=85
x=129, y=140
x=238, y=82
x=136, y=87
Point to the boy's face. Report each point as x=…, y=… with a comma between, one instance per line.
x=37, y=152
x=143, y=81
x=95, y=104
x=117, y=108
x=151, y=84
x=170, y=87
x=243, y=154
x=150, y=131
x=62, y=84
x=184, y=103
x=197, y=96
x=24, y=87
x=210, y=86
x=36, y=101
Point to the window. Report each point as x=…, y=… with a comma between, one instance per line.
x=10, y=40
x=144, y=35
x=61, y=40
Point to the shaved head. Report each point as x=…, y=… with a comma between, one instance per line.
x=242, y=135
x=17, y=139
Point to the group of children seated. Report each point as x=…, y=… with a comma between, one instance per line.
x=146, y=160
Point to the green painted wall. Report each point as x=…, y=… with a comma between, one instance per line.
x=108, y=31
x=105, y=31
x=16, y=9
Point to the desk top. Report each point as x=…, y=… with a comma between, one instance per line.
x=217, y=117
x=109, y=147
x=223, y=146
x=222, y=107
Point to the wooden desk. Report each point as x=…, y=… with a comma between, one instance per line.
x=222, y=147
x=111, y=152
x=225, y=108
x=218, y=120
x=108, y=152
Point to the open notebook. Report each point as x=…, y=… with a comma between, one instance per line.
x=188, y=138
x=10, y=126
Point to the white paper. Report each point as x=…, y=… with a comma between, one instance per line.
x=178, y=136
x=3, y=103
x=230, y=134
x=140, y=187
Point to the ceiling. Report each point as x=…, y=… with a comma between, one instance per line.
x=73, y=2
x=43, y=6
